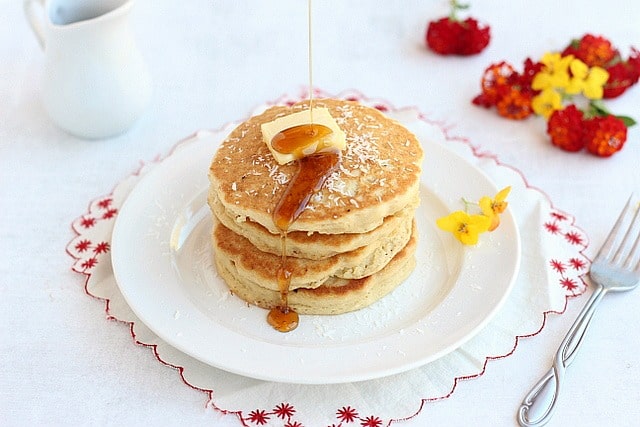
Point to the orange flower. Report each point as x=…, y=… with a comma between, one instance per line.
x=492, y=208
x=515, y=105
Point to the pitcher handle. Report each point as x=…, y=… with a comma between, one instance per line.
x=35, y=18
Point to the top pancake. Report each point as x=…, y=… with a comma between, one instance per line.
x=378, y=174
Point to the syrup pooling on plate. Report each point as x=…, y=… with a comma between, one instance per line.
x=312, y=172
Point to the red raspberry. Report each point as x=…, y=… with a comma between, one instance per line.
x=565, y=128
x=604, y=136
x=451, y=37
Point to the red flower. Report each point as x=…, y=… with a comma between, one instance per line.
x=604, y=136
x=565, y=128
x=508, y=90
x=592, y=50
x=452, y=37
x=623, y=75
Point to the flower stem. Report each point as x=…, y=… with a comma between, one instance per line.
x=455, y=7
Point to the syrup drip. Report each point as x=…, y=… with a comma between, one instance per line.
x=310, y=177
x=312, y=172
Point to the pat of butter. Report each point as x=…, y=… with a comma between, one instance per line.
x=334, y=141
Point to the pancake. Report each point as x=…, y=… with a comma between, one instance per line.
x=253, y=265
x=378, y=174
x=335, y=296
x=313, y=246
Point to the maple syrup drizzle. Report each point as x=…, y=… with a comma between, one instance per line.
x=313, y=171
x=310, y=59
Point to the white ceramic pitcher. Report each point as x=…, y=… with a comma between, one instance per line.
x=95, y=83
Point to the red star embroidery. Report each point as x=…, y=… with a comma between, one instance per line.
x=294, y=424
x=577, y=263
x=557, y=266
x=82, y=245
x=110, y=213
x=88, y=222
x=347, y=414
x=101, y=248
x=573, y=238
x=552, y=227
x=568, y=284
x=381, y=107
x=284, y=410
x=371, y=422
x=259, y=417
x=90, y=263
x=559, y=216
x=105, y=203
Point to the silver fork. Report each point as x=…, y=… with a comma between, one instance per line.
x=615, y=268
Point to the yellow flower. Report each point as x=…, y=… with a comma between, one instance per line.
x=466, y=228
x=492, y=208
x=589, y=81
x=546, y=102
x=555, y=72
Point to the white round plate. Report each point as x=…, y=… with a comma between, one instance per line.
x=164, y=268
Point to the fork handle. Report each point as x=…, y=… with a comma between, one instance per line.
x=539, y=404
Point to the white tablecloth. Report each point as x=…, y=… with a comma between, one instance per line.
x=212, y=63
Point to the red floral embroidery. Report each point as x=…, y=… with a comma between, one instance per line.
x=82, y=245
x=371, y=422
x=259, y=417
x=110, y=213
x=284, y=410
x=577, y=263
x=569, y=284
x=88, y=222
x=101, y=248
x=347, y=414
x=557, y=266
x=105, y=203
x=294, y=424
x=573, y=238
x=90, y=263
x=552, y=227
x=559, y=216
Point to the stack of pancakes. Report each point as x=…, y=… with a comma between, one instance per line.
x=355, y=240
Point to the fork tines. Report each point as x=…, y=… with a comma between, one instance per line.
x=622, y=246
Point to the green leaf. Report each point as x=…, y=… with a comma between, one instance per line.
x=598, y=108
x=628, y=121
